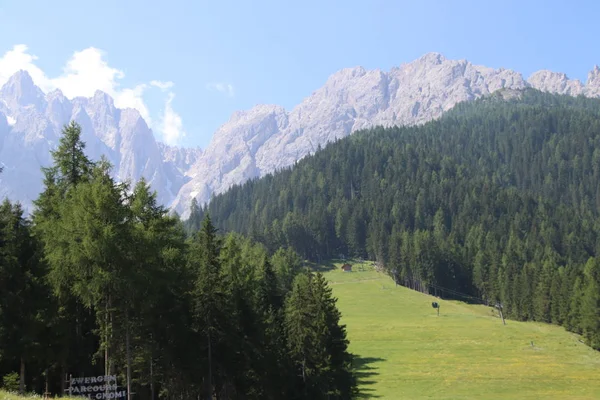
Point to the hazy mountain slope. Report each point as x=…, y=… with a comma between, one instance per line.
x=30, y=125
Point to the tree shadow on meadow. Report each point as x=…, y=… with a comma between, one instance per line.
x=365, y=372
x=323, y=266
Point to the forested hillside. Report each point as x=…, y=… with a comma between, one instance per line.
x=499, y=199
x=102, y=282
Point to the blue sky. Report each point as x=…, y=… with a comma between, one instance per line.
x=222, y=56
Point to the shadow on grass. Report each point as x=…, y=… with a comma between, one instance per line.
x=329, y=265
x=324, y=266
x=365, y=372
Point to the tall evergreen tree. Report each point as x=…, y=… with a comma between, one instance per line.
x=209, y=302
x=590, y=307
x=22, y=303
x=70, y=162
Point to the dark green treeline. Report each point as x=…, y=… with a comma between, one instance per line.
x=499, y=199
x=102, y=280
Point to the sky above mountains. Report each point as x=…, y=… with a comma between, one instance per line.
x=188, y=65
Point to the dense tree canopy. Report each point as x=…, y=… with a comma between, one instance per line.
x=103, y=281
x=498, y=200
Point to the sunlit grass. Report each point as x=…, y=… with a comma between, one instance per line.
x=10, y=396
x=405, y=351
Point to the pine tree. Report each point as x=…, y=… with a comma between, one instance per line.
x=24, y=301
x=316, y=341
x=337, y=380
x=209, y=301
x=590, y=306
x=70, y=162
x=287, y=264
x=541, y=296
x=300, y=336
x=574, y=320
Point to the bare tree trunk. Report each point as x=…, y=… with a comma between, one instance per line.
x=304, y=375
x=304, y=370
x=106, y=372
x=107, y=322
x=209, y=386
x=22, y=377
x=63, y=376
x=128, y=350
x=46, y=394
x=151, y=379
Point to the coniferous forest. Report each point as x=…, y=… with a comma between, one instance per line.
x=101, y=280
x=496, y=202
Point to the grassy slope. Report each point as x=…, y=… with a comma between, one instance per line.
x=404, y=351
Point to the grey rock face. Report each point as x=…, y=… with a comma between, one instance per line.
x=230, y=157
x=592, y=87
x=555, y=83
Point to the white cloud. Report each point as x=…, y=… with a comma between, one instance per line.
x=171, y=124
x=132, y=98
x=85, y=73
x=17, y=59
x=226, y=88
x=11, y=121
x=162, y=85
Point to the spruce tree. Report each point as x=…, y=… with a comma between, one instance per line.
x=71, y=163
x=209, y=301
x=316, y=341
x=336, y=380
x=590, y=305
x=24, y=299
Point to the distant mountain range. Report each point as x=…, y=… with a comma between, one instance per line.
x=252, y=143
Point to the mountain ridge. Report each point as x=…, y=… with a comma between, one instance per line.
x=253, y=142
x=356, y=98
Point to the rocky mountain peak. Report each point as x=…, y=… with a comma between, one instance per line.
x=344, y=75
x=594, y=76
x=56, y=94
x=20, y=91
x=555, y=82
x=102, y=99
x=430, y=59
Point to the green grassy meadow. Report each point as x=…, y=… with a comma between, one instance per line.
x=403, y=350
